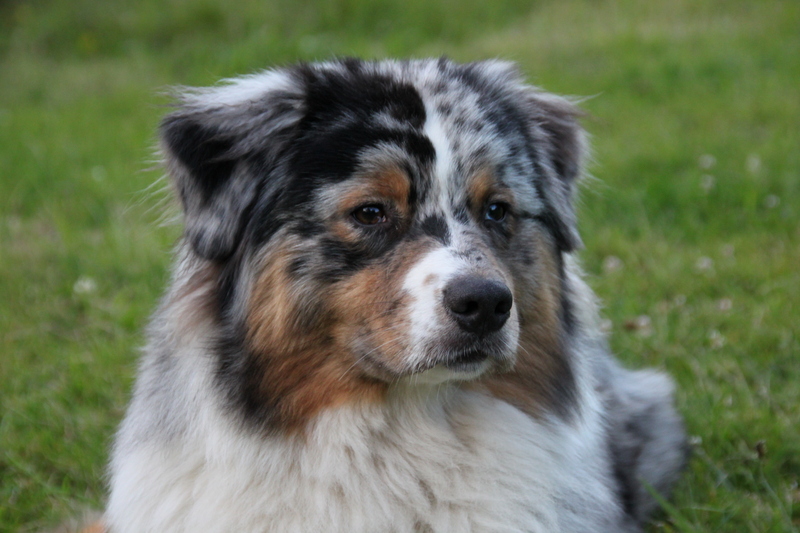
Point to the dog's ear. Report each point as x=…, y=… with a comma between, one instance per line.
x=556, y=129
x=213, y=188
x=219, y=148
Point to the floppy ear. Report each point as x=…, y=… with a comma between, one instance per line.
x=557, y=129
x=219, y=148
x=213, y=187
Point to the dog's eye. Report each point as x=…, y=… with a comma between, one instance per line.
x=370, y=215
x=495, y=212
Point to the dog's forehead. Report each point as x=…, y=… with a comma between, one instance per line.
x=449, y=123
x=474, y=136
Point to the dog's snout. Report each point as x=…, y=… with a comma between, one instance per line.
x=477, y=304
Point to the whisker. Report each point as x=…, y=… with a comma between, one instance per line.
x=367, y=354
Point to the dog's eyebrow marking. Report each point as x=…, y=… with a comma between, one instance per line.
x=436, y=226
x=480, y=187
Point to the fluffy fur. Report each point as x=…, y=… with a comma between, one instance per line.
x=375, y=321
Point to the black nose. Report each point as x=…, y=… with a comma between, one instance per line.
x=479, y=305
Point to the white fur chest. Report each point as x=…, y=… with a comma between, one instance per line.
x=423, y=462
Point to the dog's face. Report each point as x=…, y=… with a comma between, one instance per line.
x=368, y=223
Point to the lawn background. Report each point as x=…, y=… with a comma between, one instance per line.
x=691, y=221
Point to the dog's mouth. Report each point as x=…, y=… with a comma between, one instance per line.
x=466, y=363
x=462, y=365
x=469, y=361
x=449, y=357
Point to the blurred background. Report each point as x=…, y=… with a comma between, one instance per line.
x=690, y=219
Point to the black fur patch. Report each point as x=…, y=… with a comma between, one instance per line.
x=624, y=466
x=239, y=375
x=564, y=390
x=342, y=259
x=436, y=226
x=203, y=150
x=342, y=119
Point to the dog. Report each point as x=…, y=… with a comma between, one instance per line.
x=376, y=321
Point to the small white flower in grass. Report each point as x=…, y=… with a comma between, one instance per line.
x=704, y=263
x=84, y=285
x=716, y=339
x=772, y=201
x=753, y=163
x=98, y=174
x=707, y=161
x=707, y=182
x=606, y=325
x=644, y=325
x=695, y=440
x=727, y=401
x=612, y=263
x=725, y=304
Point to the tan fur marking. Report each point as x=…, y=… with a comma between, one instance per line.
x=480, y=187
x=393, y=184
x=372, y=305
x=530, y=384
x=483, y=188
x=303, y=371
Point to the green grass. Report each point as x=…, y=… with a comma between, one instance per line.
x=694, y=114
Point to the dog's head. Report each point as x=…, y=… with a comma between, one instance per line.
x=367, y=223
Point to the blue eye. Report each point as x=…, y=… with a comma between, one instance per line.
x=370, y=215
x=495, y=212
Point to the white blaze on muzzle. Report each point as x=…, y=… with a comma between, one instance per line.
x=430, y=320
x=425, y=282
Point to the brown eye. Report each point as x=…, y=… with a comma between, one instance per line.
x=370, y=215
x=495, y=212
